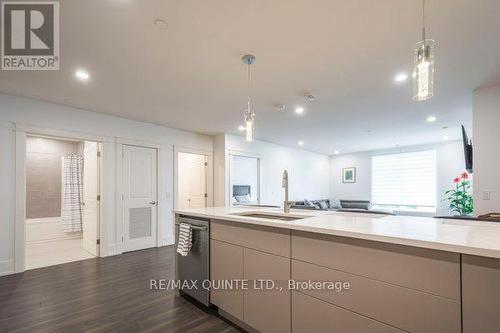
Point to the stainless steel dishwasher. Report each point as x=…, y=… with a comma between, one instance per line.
x=194, y=266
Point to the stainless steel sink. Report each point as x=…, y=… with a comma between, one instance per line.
x=272, y=216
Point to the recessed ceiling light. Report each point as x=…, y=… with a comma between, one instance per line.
x=309, y=97
x=300, y=143
x=336, y=152
x=241, y=128
x=281, y=107
x=160, y=22
x=431, y=119
x=299, y=110
x=401, y=77
x=82, y=75
x=445, y=137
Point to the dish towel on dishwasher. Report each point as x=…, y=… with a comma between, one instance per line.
x=185, y=239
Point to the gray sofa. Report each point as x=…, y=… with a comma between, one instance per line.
x=353, y=206
x=313, y=204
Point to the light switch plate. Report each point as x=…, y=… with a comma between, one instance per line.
x=486, y=195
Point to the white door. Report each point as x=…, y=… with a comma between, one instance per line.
x=90, y=197
x=197, y=195
x=139, y=198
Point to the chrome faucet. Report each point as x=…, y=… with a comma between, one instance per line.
x=284, y=184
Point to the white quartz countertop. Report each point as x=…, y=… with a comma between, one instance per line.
x=467, y=237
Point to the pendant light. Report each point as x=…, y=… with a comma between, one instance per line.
x=423, y=74
x=249, y=115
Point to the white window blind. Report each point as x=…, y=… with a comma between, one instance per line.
x=405, y=179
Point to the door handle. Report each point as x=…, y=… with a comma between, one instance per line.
x=152, y=202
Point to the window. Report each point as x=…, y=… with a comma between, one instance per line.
x=405, y=181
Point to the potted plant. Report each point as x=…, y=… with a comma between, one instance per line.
x=461, y=201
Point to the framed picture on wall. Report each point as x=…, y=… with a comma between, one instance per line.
x=349, y=175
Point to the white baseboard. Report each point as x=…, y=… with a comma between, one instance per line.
x=6, y=267
x=167, y=241
x=110, y=250
x=76, y=235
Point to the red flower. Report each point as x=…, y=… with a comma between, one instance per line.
x=465, y=175
x=456, y=180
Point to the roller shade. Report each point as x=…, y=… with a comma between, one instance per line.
x=404, y=179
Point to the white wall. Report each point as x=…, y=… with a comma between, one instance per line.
x=308, y=172
x=450, y=162
x=47, y=115
x=361, y=189
x=221, y=174
x=486, y=143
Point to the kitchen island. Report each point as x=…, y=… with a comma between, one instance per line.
x=404, y=273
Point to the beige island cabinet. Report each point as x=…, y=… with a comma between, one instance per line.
x=388, y=285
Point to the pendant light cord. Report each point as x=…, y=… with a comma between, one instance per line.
x=248, y=87
x=423, y=20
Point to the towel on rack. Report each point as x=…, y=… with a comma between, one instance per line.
x=185, y=239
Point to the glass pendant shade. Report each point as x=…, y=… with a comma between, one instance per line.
x=249, y=121
x=249, y=115
x=423, y=71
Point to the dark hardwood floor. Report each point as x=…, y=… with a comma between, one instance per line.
x=102, y=295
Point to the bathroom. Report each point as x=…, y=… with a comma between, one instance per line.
x=62, y=202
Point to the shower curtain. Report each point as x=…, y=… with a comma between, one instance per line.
x=72, y=193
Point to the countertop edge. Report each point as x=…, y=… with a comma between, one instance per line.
x=440, y=246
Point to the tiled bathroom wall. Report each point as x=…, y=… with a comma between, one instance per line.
x=43, y=175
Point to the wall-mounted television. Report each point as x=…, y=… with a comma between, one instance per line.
x=467, y=150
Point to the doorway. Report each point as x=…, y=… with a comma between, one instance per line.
x=140, y=197
x=192, y=180
x=244, y=187
x=62, y=200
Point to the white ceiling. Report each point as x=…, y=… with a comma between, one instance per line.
x=189, y=74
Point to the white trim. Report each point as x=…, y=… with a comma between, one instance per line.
x=21, y=133
x=55, y=133
x=119, y=199
x=6, y=267
x=160, y=199
x=189, y=150
x=20, y=201
x=78, y=236
x=107, y=183
x=100, y=224
x=210, y=171
x=139, y=143
x=243, y=153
